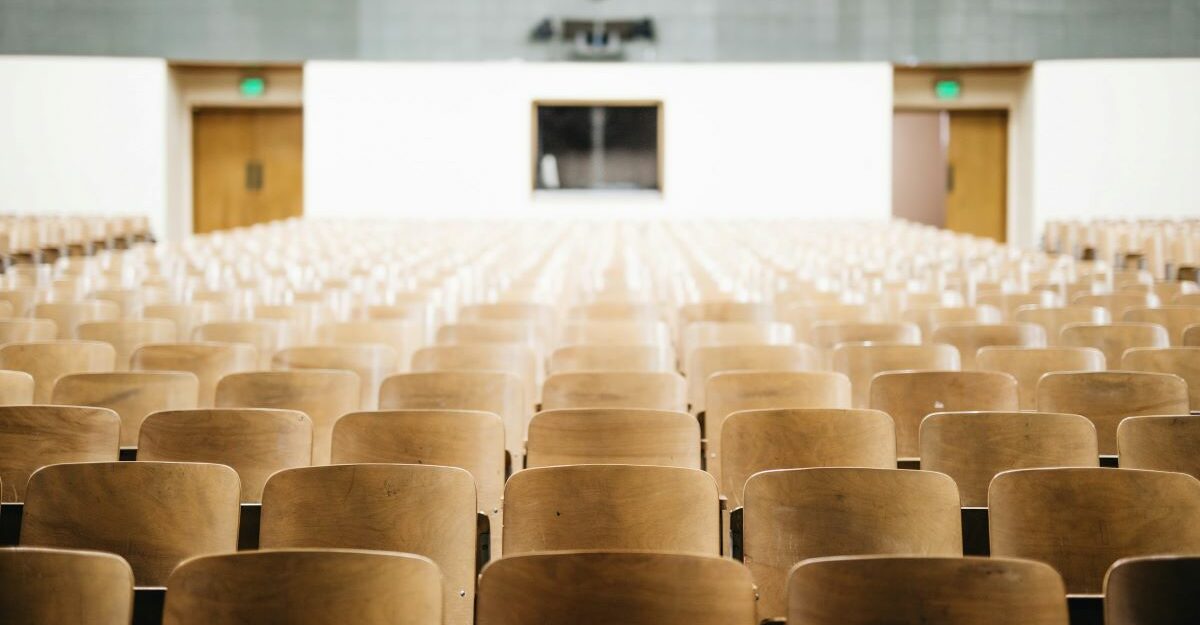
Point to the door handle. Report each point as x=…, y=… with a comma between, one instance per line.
x=254, y=175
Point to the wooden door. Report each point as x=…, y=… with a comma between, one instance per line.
x=977, y=173
x=247, y=167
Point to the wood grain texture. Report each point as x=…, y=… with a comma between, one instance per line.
x=322, y=394
x=131, y=394
x=1107, y=397
x=602, y=588
x=615, y=389
x=910, y=396
x=801, y=438
x=64, y=587
x=209, y=362
x=305, y=587
x=795, y=514
x=1152, y=590
x=611, y=507
x=32, y=437
x=972, y=447
x=1181, y=361
x=715, y=333
x=1114, y=338
x=27, y=330
x=1160, y=443
x=977, y=153
x=127, y=335
x=265, y=336
x=255, y=442
x=1080, y=521
x=426, y=510
x=153, y=514
x=403, y=336
x=613, y=436
x=969, y=337
x=705, y=361
x=16, y=388
x=371, y=363
x=1029, y=364
x=519, y=360
x=50, y=360
x=869, y=590
x=68, y=315
x=860, y=362
x=1174, y=318
x=618, y=357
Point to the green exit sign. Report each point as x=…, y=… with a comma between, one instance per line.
x=252, y=86
x=947, y=89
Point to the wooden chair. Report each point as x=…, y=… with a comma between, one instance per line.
x=27, y=330
x=426, y=510
x=132, y=395
x=1114, y=338
x=972, y=447
x=1174, y=318
x=404, y=336
x=265, y=336
x=860, y=362
x=64, y=587
x=16, y=388
x=1080, y=521
x=1191, y=335
x=725, y=311
x=615, y=389
x=705, y=361
x=735, y=391
x=524, y=333
x=255, y=442
x=615, y=311
x=602, y=588
x=489, y=391
x=32, y=437
x=21, y=300
x=1160, y=443
x=468, y=439
x=1009, y=303
x=153, y=514
x=1181, y=361
x=519, y=360
x=1117, y=303
x=1152, y=589
x=714, y=333
x=1053, y=320
x=371, y=363
x=576, y=358
x=929, y=319
x=1029, y=364
x=127, y=335
x=1107, y=397
x=50, y=360
x=68, y=315
x=613, y=436
x=868, y=590
x=826, y=335
x=209, y=362
x=801, y=438
x=615, y=333
x=187, y=316
x=910, y=396
x=611, y=507
x=968, y=338
x=804, y=317
x=320, y=586
x=1166, y=290
x=322, y=394
x=796, y=514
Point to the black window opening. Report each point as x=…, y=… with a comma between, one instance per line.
x=598, y=147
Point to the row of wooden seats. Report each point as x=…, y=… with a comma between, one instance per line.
x=1160, y=246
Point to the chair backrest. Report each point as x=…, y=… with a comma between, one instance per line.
x=490, y=391
x=1152, y=589
x=153, y=514
x=1174, y=318
x=615, y=311
x=64, y=587
x=826, y=335
x=131, y=394
x=1080, y=521
x=22, y=300
x=16, y=388
x=613, y=436
x=522, y=332
x=50, y=360
x=717, y=333
x=24, y=330
x=867, y=590
x=1054, y=319
x=321, y=586
x=186, y=316
x=421, y=509
x=1116, y=303
x=1191, y=335
x=32, y=437
x=726, y=311
x=615, y=389
x=930, y=319
x=68, y=315
x=127, y=335
x=403, y=336
x=1114, y=338
x=322, y=394
x=370, y=362
x=1181, y=361
x=803, y=317
x=860, y=362
x=1107, y=397
x=608, y=506
x=1160, y=443
x=1029, y=364
x=910, y=396
x=972, y=447
x=735, y=391
x=209, y=362
x=801, y=438
x=265, y=335
x=647, y=358
x=517, y=359
x=615, y=333
x=601, y=588
x=705, y=361
x=795, y=514
x=969, y=337
x=255, y=442
x=1009, y=303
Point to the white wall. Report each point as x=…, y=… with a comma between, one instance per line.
x=1116, y=139
x=83, y=136
x=453, y=139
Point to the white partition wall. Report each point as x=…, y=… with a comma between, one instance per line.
x=454, y=139
x=83, y=136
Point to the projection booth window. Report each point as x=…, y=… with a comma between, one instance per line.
x=602, y=145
